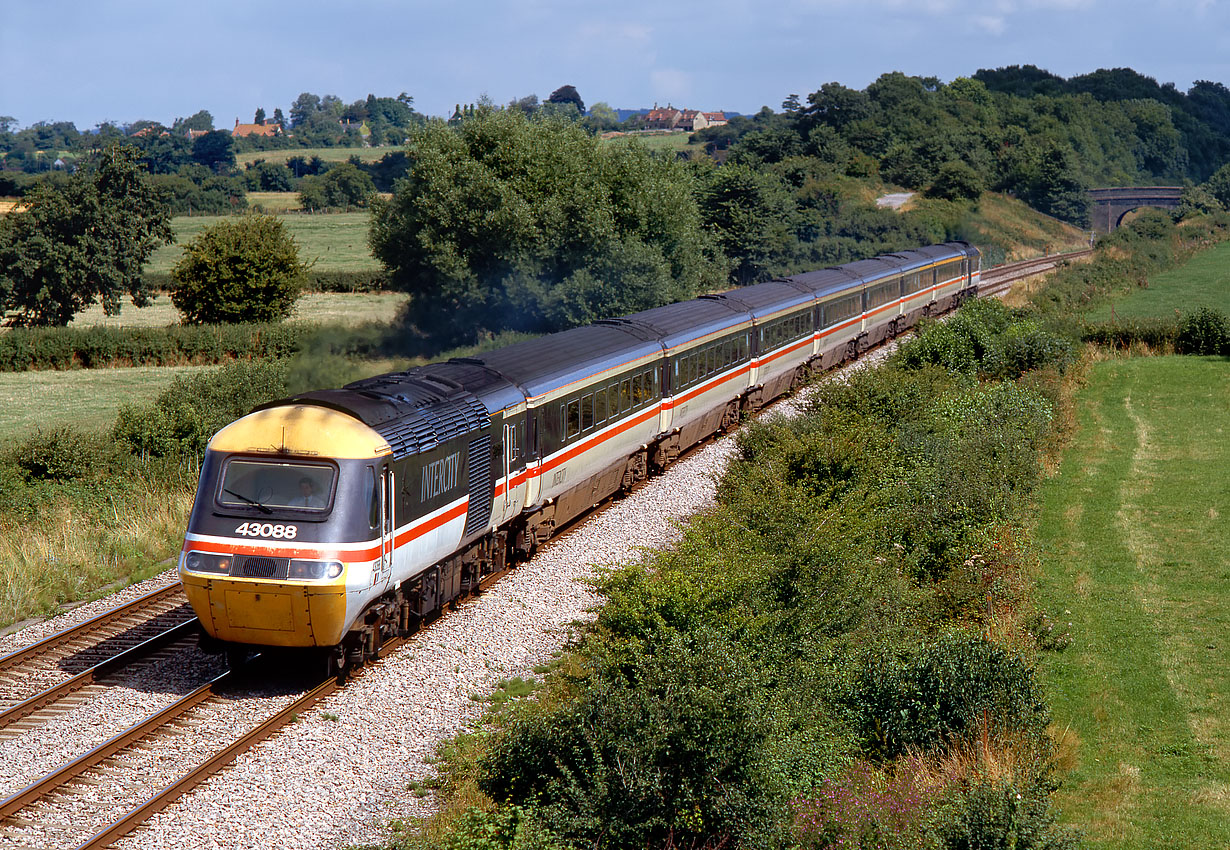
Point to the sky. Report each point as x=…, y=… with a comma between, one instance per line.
x=120, y=61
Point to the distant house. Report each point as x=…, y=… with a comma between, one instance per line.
x=663, y=118
x=193, y=135
x=686, y=120
x=267, y=129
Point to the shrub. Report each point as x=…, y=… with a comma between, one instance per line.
x=856, y=812
x=62, y=454
x=1204, y=331
x=662, y=745
x=95, y=347
x=930, y=695
x=241, y=270
x=1158, y=334
x=998, y=815
x=189, y=412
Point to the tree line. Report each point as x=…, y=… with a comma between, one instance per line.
x=520, y=218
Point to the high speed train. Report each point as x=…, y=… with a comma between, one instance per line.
x=336, y=518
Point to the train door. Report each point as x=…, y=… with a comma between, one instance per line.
x=387, y=526
x=514, y=465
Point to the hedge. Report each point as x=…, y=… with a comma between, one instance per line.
x=22, y=349
x=370, y=280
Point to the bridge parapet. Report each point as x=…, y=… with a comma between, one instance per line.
x=1112, y=204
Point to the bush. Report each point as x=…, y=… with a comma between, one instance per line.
x=663, y=745
x=1205, y=331
x=1158, y=334
x=998, y=815
x=62, y=454
x=241, y=270
x=188, y=413
x=929, y=696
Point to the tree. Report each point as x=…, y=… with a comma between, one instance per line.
x=956, y=181
x=343, y=185
x=504, y=222
x=215, y=150
x=245, y=269
x=305, y=106
x=259, y=118
x=751, y=212
x=201, y=120
x=567, y=94
x=85, y=241
x=279, y=118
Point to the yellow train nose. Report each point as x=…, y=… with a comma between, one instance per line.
x=268, y=613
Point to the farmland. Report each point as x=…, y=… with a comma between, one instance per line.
x=317, y=307
x=333, y=242
x=1202, y=282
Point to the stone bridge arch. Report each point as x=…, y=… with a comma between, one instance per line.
x=1111, y=205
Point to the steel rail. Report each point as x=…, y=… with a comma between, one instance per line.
x=88, y=677
x=113, y=615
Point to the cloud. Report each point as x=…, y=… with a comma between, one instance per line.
x=670, y=84
x=994, y=24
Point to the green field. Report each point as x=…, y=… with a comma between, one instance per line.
x=333, y=241
x=337, y=308
x=1137, y=557
x=326, y=154
x=1203, y=282
x=84, y=398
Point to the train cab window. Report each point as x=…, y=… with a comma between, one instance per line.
x=270, y=484
x=373, y=510
x=572, y=419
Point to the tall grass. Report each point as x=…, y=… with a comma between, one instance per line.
x=68, y=555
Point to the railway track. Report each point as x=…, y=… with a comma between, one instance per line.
x=1000, y=278
x=90, y=649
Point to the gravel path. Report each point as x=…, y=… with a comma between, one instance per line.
x=339, y=775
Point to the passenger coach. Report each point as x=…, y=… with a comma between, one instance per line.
x=338, y=517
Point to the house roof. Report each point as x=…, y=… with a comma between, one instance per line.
x=256, y=129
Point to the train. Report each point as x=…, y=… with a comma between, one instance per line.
x=334, y=519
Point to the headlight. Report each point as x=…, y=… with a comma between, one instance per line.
x=205, y=562
x=314, y=570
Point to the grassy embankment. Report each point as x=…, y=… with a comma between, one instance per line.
x=1136, y=538
x=1204, y=281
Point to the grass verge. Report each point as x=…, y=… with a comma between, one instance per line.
x=1136, y=540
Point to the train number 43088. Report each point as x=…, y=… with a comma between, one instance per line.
x=265, y=529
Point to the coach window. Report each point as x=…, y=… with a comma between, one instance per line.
x=637, y=391
x=600, y=406
x=572, y=419
x=625, y=395
x=587, y=413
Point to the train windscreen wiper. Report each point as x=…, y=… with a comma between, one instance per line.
x=252, y=502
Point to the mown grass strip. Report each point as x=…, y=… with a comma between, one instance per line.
x=1137, y=547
